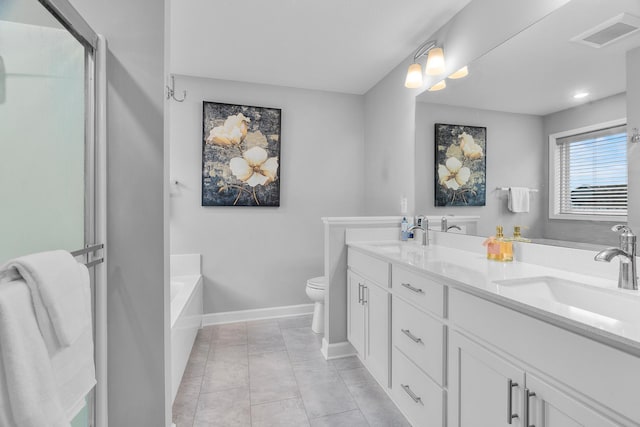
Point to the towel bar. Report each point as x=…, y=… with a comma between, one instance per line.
x=87, y=250
x=533, y=190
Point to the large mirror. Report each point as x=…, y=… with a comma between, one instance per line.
x=560, y=77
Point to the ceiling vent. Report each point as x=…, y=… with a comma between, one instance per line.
x=610, y=31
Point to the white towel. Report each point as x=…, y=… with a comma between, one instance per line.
x=61, y=297
x=74, y=373
x=518, y=199
x=28, y=391
x=57, y=283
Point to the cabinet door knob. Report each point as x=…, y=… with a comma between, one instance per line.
x=510, y=414
x=528, y=394
x=411, y=394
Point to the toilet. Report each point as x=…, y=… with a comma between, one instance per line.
x=315, y=291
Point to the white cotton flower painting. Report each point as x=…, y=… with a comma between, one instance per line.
x=461, y=165
x=240, y=155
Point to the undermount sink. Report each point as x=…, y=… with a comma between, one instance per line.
x=579, y=300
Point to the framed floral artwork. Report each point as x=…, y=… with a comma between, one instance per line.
x=240, y=155
x=461, y=165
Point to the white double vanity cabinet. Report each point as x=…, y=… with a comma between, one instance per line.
x=452, y=351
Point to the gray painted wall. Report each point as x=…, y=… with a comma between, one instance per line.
x=514, y=154
x=136, y=289
x=603, y=110
x=261, y=257
x=633, y=121
x=389, y=131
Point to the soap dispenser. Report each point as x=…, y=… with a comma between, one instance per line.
x=404, y=229
x=493, y=246
x=505, y=246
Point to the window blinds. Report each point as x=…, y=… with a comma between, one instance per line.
x=592, y=172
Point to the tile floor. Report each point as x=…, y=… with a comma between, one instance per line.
x=271, y=373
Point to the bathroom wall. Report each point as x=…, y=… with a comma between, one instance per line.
x=514, y=154
x=600, y=111
x=258, y=257
x=136, y=245
x=633, y=121
x=390, y=107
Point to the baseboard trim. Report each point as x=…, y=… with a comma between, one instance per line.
x=337, y=350
x=256, y=314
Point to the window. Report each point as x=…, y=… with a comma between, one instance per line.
x=588, y=173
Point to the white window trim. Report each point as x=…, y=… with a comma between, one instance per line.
x=554, y=202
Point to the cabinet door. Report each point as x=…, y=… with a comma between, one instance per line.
x=377, y=302
x=355, y=315
x=479, y=389
x=551, y=407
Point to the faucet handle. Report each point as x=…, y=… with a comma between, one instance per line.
x=626, y=230
x=627, y=238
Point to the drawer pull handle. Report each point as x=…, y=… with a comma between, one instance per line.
x=408, y=333
x=411, y=288
x=510, y=414
x=412, y=394
x=359, y=293
x=527, y=396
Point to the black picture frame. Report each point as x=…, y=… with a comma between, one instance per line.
x=460, y=165
x=240, y=155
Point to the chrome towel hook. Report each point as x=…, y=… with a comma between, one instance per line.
x=635, y=136
x=171, y=93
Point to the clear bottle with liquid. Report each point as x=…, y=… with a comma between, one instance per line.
x=404, y=229
x=493, y=245
x=505, y=245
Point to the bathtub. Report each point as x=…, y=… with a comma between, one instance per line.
x=186, y=313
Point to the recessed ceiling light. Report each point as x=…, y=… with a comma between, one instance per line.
x=580, y=95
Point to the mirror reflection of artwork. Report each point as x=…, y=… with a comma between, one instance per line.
x=240, y=155
x=460, y=165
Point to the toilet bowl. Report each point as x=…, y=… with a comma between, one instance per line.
x=315, y=292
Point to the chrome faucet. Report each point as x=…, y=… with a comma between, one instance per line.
x=423, y=224
x=445, y=228
x=628, y=278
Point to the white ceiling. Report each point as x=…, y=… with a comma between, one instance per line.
x=539, y=70
x=335, y=45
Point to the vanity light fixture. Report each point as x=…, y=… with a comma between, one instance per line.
x=435, y=64
x=462, y=72
x=414, y=76
x=438, y=86
x=580, y=95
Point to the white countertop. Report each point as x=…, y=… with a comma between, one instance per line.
x=471, y=272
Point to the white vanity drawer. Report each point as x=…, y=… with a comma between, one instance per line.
x=418, y=289
x=420, y=337
x=369, y=267
x=419, y=398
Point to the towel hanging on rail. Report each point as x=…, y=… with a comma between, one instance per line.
x=28, y=390
x=61, y=301
x=518, y=199
x=57, y=283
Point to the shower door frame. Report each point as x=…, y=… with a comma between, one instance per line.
x=95, y=188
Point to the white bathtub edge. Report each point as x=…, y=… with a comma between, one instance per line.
x=183, y=299
x=256, y=314
x=186, y=320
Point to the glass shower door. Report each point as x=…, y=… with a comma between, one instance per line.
x=47, y=193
